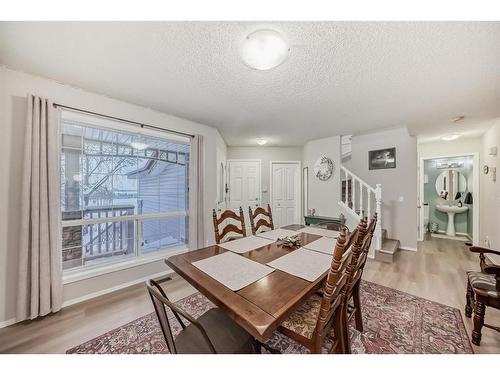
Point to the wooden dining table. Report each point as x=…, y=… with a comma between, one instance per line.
x=261, y=306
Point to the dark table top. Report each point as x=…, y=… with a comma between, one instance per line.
x=261, y=306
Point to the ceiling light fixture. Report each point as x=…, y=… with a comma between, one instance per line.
x=457, y=119
x=261, y=141
x=264, y=49
x=450, y=137
x=138, y=145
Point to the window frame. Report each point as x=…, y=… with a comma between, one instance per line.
x=137, y=258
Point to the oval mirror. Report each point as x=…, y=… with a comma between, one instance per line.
x=449, y=183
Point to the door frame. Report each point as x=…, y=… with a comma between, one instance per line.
x=298, y=198
x=228, y=179
x=475, y=193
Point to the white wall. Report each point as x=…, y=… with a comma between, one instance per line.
x=459, y=146
x=14, y=86
x=323, y=195
x=490, y=191
x=399, y=218
x=266, y=155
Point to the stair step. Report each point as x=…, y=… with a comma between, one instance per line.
x=388, y=250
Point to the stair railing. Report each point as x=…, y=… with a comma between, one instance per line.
x=360, y=199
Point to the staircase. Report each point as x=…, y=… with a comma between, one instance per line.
x=358, y=200
x=389, y=249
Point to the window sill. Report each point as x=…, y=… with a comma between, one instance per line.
x=73, y=276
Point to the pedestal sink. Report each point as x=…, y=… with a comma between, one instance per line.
x=451, y=211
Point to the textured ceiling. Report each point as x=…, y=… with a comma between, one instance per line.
x=340, y=78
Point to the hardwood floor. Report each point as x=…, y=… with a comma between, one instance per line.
x=436, y=272
x=76, y=324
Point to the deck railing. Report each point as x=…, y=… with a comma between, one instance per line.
x=96, y=233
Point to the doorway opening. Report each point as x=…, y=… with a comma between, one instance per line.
x=449, y=198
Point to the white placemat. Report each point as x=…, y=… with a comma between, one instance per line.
x=277, y=233
x=303, y=263
x=232, y=270
x=245, y=244
x=320, y=231
x=323, y=245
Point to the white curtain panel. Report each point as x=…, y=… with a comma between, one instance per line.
x=196, y=209
x=40, y=269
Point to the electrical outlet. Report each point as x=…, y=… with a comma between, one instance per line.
x=487, y=241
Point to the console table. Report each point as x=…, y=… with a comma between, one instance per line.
x=308, y=220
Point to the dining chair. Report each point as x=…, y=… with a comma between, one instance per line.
x=355, y=269
x=262, y=222
x=214, y=332
x=483, y=290
x=228, y=227
x=322, y=317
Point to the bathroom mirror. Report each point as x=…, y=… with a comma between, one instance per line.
x=449, y=183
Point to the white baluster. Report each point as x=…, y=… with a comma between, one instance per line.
x=378, y=229
x=369, y=201
x=354, y=194
x=345, y=187
x=361, y=198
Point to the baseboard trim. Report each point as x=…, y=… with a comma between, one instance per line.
x=457, y=233
x=115, y=288
x=99, y=293
x=407, y=248
x=8, y=322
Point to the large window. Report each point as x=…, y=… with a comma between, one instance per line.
x=124, y=194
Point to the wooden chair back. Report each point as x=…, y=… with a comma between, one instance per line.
x=360, y=252
x=262, y=222
x=333, y=293
x=161, y=303
x=220, y=235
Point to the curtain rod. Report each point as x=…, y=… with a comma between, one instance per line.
x=124, y=120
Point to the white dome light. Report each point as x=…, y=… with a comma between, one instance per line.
x=264, y=49
x=261, y=141
x=450, y=137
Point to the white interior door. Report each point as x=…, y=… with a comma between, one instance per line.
x=244, y=184
x=285, y=199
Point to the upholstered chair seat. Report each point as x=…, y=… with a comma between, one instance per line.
x=483, y=283
x=303, y=320
x=226, y=336
x=211, y=333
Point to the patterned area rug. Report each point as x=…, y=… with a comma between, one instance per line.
x=394, y=322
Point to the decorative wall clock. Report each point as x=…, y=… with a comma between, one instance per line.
x=324, y=168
